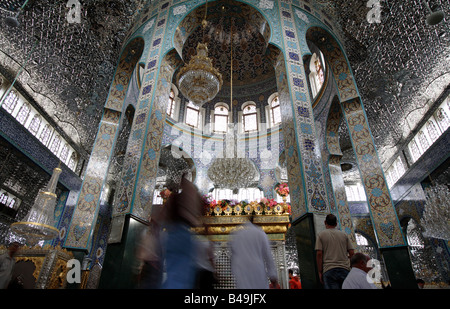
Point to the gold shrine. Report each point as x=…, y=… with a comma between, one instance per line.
x=41, y=267
x=218, y=228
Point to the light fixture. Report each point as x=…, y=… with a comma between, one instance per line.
x=232, y=172
x=12, y=21
x=199, y=81
x=434, y=18
x=39, y=224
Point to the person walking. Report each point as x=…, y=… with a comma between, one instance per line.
x=7, y=262
x=182, y=211
x=252, y=262
x=333, y=253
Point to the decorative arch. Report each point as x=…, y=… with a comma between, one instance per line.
x=88, y=203
x=334, y=166
x=384, y=218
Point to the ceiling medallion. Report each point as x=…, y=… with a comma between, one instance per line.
x=199, y=81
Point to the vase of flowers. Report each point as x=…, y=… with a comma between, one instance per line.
x=283, y=190
x=164, y=194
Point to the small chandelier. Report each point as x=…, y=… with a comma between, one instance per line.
x=39, y=224
x=436, y=215
x=199, y=81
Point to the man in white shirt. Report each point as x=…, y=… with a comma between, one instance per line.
x=251, y=258
x=7, y=262
x=357, y=277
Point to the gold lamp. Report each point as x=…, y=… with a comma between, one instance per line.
x=199, y=81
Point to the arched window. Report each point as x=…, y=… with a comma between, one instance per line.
x=11, y=203
x=433, y=131
x=35, y=124
x=4, y=198
x=10, y=102
x=23, y=114
x=275, y=112
x=424, y=143
x=221, y=118
x=442, y=118
x=171, y=105
x=192, y=115
x=73, y=161
x=317, y=75
x=45, y=134
x=250, y=118
x=56, y=144
x=64, y=153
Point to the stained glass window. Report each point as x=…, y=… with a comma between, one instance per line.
x=10, y=102
x=24, y=111
x=171, y=106
x=192, y=115
x=35, y=124
x=250, y=118
x=275, y=112
x=220, y=118
x=45, y=134
x=56, y=144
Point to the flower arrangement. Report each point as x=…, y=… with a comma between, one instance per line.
x=268, y=202
x=282, y=189
x=164, y=194
x=219, y=207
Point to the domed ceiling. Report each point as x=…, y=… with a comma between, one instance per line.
x=227, y=18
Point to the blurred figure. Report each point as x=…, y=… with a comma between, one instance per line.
x=357, y=277
x=251, y=258
x=150, y=254
x=205, y=273
x=7, y=262
x=181, y=212
x=294, y=282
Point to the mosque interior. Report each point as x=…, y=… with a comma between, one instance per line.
x=345, y=102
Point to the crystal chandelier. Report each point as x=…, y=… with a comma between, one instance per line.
x=39, y=223
x=231, y=171
x=199, y=81
x=436, y=216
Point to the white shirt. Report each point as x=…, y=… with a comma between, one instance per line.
x=358, y=279
x=252, y=262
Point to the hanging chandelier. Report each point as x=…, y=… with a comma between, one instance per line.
x=39, y=224
x=232, y=172
x=436, y=216
x=199, y=81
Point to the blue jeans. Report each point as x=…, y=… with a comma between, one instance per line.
x=333, y=278
x=179, y=256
